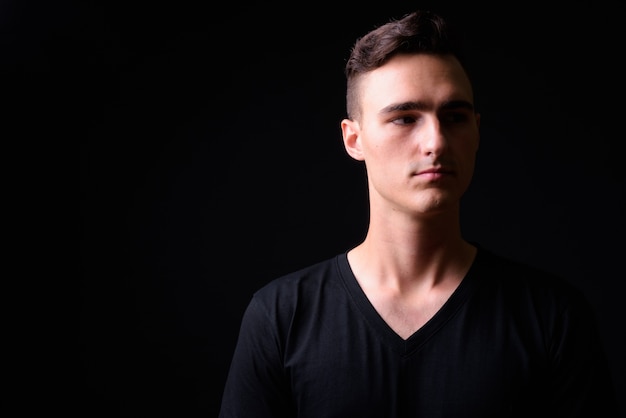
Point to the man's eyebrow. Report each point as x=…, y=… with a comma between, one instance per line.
x=457, y=104
x=399, y=107
x=418, y=105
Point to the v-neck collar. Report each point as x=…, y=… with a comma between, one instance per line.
x=384, y=331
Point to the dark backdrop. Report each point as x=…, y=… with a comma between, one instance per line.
x=211, y=162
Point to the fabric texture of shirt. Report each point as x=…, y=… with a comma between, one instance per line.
x=511, y=341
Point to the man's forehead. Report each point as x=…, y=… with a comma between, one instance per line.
x=416, y=78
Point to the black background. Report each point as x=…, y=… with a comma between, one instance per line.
x=211, y=162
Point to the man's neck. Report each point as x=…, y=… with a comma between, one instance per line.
x=401, y=254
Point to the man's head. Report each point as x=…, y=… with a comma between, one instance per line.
x=411, y=116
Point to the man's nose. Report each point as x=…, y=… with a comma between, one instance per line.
x=433, y=141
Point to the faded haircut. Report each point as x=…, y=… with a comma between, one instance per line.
x=417, y=32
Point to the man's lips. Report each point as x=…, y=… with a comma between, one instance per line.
x=436, y=171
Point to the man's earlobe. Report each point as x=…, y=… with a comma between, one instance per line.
x=350, y=131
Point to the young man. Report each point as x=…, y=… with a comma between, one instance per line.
x=415, y=321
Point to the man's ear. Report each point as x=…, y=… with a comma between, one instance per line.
x=351, y=138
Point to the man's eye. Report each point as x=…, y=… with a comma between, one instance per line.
x=455, y=117
x=404, y=120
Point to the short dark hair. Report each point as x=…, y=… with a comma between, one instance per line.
x=418, y=32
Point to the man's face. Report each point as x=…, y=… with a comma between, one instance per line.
x=418, y=133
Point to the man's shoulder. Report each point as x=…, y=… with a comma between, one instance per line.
x=520, y=278
x=506, y=266
x=309, y=277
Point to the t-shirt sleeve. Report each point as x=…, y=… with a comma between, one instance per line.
x=256, y=384
x=580, y=377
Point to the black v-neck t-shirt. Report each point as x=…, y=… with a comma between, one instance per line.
x=511, y=341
